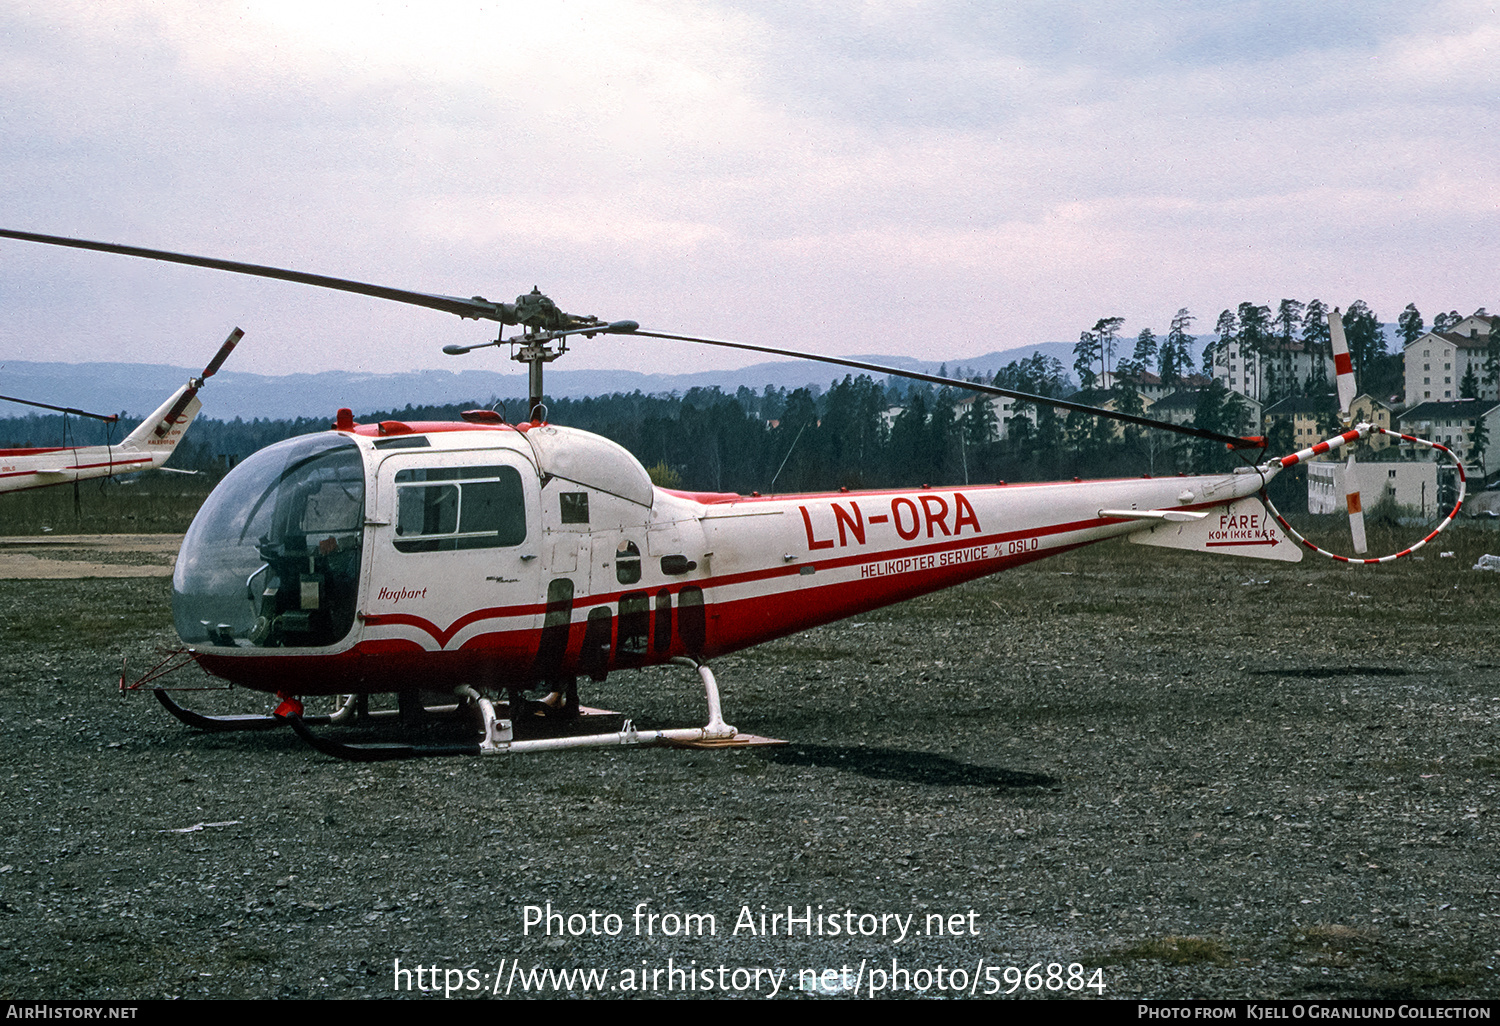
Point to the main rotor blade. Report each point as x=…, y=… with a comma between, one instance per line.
x=476, y=308
x=1232, y=441
x=111, y=417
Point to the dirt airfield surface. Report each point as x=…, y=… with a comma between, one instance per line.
x=45, y=557
x=1167, y=775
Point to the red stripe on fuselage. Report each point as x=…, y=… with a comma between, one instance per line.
x=883, y=555
x=33, y=452
x=81, y=466
x=444, y=635
x=740, y=623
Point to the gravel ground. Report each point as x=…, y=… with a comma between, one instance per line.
x=1200, y=778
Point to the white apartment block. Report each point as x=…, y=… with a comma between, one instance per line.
x=1252, y=374
x=1409, y=484
x=1452, y=424
x=1002, y=408
x=1435, y=364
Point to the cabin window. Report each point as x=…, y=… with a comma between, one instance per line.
x=627, y=563
x=449, y=508
x=403, y=442
x=574, y=507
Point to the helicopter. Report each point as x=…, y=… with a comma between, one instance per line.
x=490, y=560
x=147, y=447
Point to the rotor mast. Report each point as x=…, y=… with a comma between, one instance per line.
x=542, y=324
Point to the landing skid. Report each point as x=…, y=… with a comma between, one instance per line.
x=626, y=737
x=238, y=721
x=519, y=726
x=371, y=752
x=499, y=733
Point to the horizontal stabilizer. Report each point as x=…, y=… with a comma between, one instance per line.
x=1171, y=516
x=1243, y=528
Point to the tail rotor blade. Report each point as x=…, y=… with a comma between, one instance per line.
x=1356, y=510
x=195, y=384
x=223, y=353
x=1343, y=366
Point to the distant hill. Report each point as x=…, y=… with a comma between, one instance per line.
x=137, y=389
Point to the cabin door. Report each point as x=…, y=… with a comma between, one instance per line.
x=454, y=562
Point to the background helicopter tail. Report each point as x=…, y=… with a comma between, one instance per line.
x=159, y=433
x=174, y=416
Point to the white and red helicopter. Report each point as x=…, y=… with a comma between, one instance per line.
x=148, y=446
x=487, y=560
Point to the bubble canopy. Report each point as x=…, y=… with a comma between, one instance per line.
x=272, y=559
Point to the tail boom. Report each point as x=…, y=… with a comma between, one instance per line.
x=148, y=446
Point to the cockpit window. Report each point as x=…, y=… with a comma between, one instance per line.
x=272, y=560
x=449, y=508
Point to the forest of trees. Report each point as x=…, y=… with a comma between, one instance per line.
x=812, y=439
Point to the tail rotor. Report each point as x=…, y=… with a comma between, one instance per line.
x=1343, y=368
x=191, y=392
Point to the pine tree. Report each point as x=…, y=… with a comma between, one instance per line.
x=1176, y=360
x=1145, y=350
x=1468, y=388
x=1288, y=317
x=1107, y=332
x=1084, y=355
x=1315, y=337
x=1255, y=343
x=1365, y=337
x=1209, y=416
x=1409, y=324
x=979, y=424
x=1217, y=351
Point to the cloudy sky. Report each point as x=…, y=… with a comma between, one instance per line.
x=939, y=179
